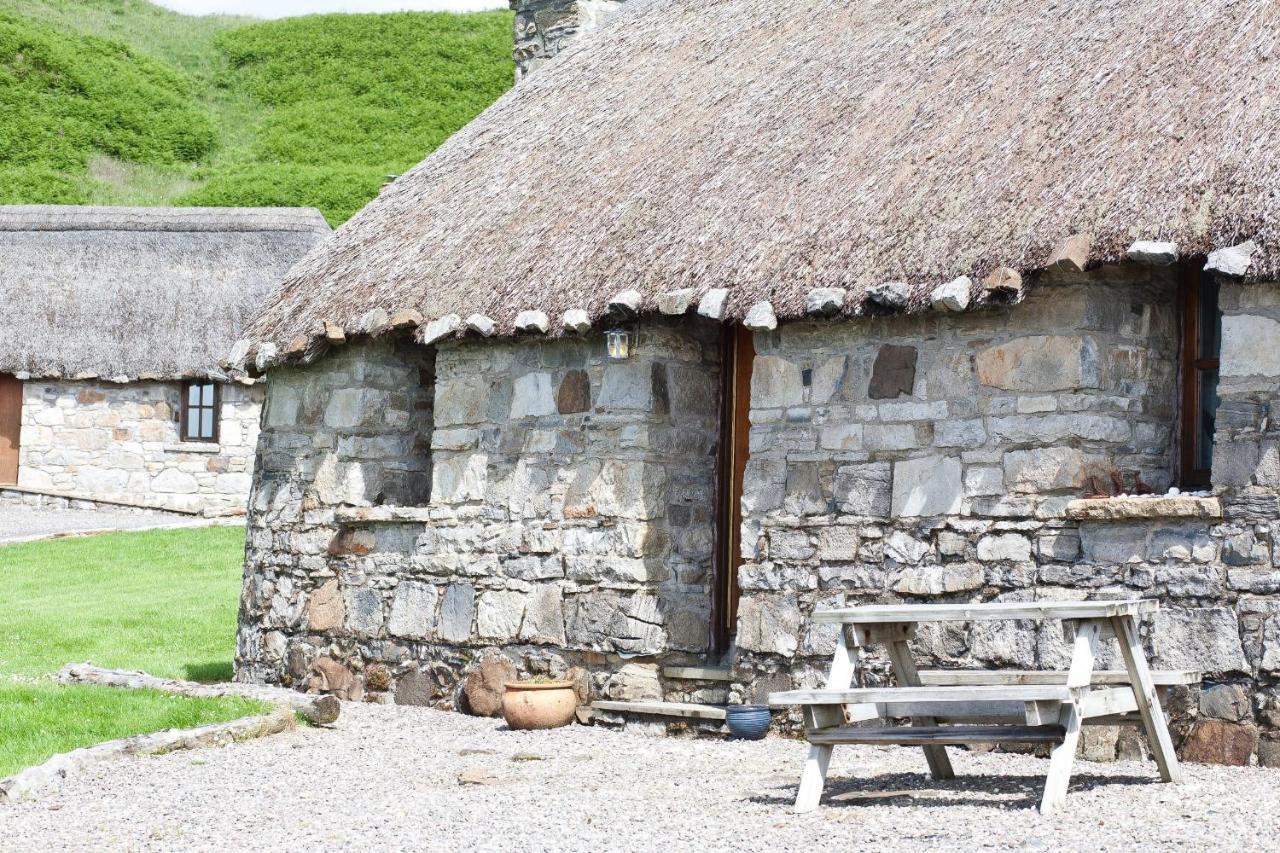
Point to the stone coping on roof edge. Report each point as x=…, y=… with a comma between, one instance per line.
x=1002, y=288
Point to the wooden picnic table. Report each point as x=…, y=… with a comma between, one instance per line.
x=949, y=707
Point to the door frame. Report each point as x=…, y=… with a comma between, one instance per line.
x=737, y=356
x=11, y=393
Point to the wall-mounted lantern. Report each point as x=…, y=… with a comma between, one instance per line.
x=621, y=344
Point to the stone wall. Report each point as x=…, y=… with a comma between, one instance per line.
x=121, y=442
x=923, y=458
x=544, y=27
x=871, y=481
x=569, y=521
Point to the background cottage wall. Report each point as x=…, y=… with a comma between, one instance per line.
x=569, y=519
x=120, y=442
x=957, y=488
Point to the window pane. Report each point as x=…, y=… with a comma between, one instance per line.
x=193, y=395
x=1205, y=419
x=208, y=395
x=1210, y=319
x=206, y=423
x=192, y=425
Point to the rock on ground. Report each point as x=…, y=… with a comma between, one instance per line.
x=388, y=777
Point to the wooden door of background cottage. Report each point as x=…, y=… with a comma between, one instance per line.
x=10, y=426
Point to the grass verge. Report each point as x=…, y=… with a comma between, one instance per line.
x=161, y=601
x=38, y=721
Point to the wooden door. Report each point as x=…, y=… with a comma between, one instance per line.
x=10, y=426
x=738, y=354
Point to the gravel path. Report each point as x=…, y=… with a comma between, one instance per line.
x=21, y=523
x=387, y=778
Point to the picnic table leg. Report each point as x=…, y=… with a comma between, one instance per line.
x=840, y=677
x=1144, y=694
x=905, y=669
x=1084, y=651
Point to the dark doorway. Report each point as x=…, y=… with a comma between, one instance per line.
x=10, y=426
x=738, y=353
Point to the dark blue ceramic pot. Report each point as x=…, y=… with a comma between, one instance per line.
x=748, y=722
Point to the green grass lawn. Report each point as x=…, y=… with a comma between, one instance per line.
x=38, y=721
x=124, y=102
x=160, y=601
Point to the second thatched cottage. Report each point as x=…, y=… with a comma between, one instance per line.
x=111, y=324
x=740, y=308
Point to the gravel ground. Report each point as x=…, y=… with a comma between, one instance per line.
x=387, y=778
x=22, y=523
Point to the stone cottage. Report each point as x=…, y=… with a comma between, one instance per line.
x=738, y=308
x=113, y=322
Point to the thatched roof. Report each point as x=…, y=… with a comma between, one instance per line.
x=774, y=147
x=129, y=292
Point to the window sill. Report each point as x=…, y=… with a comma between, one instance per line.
x=1161, y=506
x=193, y=447
x=410, y=514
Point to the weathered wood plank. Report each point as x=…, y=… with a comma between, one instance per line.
x=968, y=677
x=1144, y=693
x=1083, y=654
x=814, y=775
x=686, y=710
x=1104, y=703
x=953, y=710
x=905, y=670
x=938, y=735
x=888, y=613
x=1012, y=692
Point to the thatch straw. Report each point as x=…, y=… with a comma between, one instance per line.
x=775, y=147
x=126, y=292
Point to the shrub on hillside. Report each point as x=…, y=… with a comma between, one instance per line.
x=63, y=96
x=338, y=191
x=38, y=185
x=382, y=91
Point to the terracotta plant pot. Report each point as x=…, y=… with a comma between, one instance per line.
x=530, y=705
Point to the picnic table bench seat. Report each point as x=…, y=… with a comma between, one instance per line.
x=954, y=706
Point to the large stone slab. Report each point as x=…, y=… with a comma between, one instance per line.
x=931, y=485
x=532, y=396
x=940, y=580
x=864, y=489
x=1044, y=469
x=775, y=383
x=544, y=616
x=769, y=624
x=1250, y=346
x=1207, y=639
x=894, y=372
x=1040, y=363
x=457, y=609
x=413, y=610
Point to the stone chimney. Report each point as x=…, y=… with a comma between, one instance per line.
x=543, y=27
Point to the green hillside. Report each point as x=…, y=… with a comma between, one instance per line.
x=123, y=102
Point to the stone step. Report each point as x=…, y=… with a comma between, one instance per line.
x=698, y=673
x=685, y=710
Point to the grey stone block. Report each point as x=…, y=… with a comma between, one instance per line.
x=1207, y=639
x=927, y=486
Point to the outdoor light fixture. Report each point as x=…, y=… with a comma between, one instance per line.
x=620, y=343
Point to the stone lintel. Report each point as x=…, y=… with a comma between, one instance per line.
x=1162, y=506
